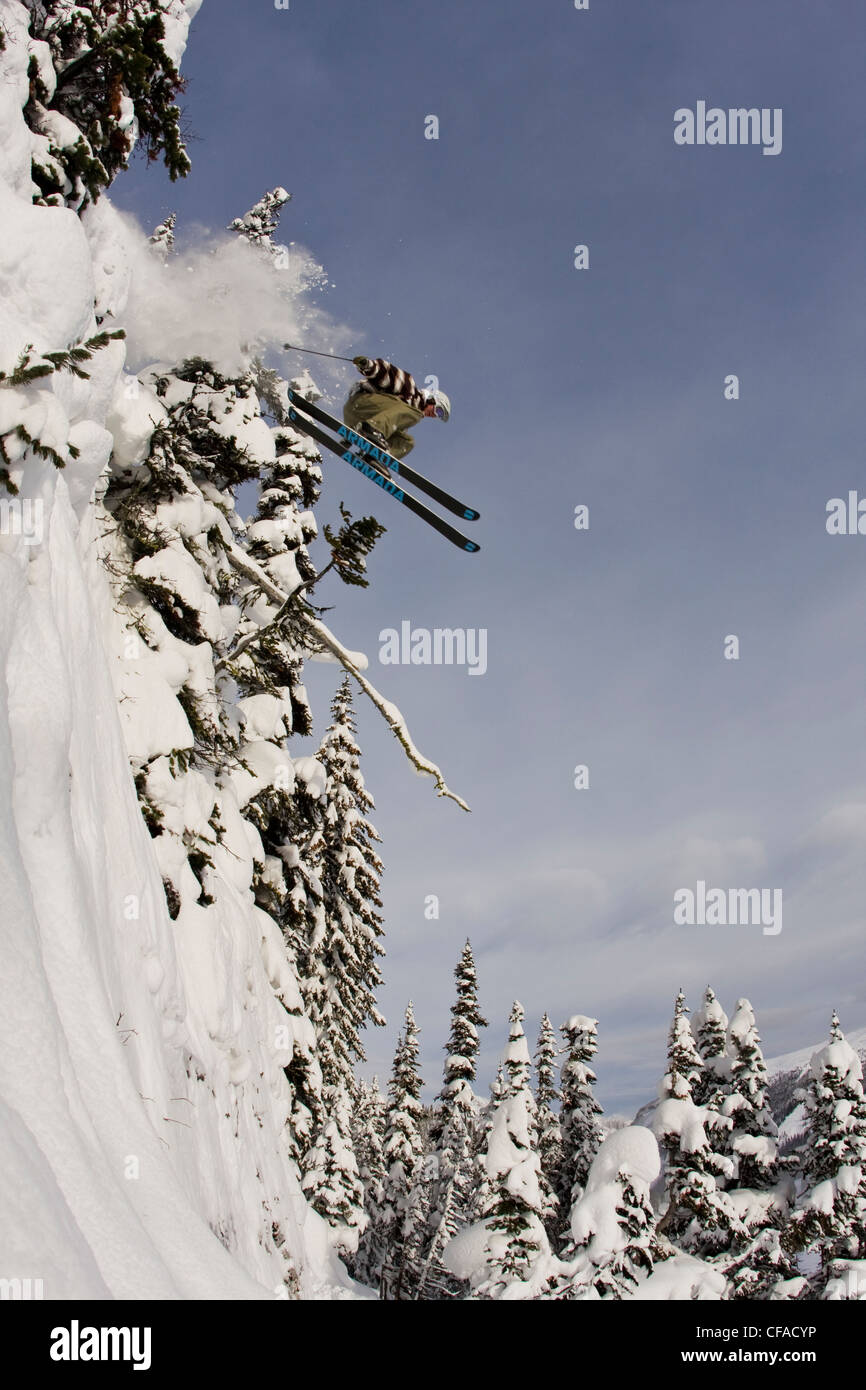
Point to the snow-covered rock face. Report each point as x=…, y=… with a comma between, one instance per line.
x=145, y=1102
x=46, y=300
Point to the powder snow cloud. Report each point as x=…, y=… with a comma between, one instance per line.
x=215, y=297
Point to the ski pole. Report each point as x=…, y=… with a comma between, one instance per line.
x=335, y=356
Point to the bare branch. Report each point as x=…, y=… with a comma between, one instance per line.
x=322, y=637
x=275, y=621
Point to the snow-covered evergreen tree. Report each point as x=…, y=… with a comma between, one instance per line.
x=513, y=1210
x=461, y=1050
x=697, y=1213
x=339, y=961
x=760, y=1263
x=684, y=1061
x=451, y=1139
x=831, y=1213
x=368, y=1142
x=752, y=1140
x=740, y=1156
x=483, y=1128
x=260, y=223
x=112, y=83
x=549, y=1132
x=578, y=1117
x=174, y=526
x=758, y=1192
x=349, y=870
x=329, y=875
x=452, y=1134
x=710, y=1032
x=181, y=539
x=402, y=1214
x=162, y=237
x=332, y=1181
x=612, y=1241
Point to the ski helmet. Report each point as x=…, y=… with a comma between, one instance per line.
x=443, y=405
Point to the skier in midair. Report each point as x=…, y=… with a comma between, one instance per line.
x=387, y=402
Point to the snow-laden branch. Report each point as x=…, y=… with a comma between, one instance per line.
x=258, y=633
x=323, y=637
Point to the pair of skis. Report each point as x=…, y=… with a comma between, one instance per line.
x=363, y=455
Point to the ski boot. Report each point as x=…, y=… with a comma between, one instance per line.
x=376, y=437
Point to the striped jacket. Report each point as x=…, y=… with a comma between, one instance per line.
x=393, y=381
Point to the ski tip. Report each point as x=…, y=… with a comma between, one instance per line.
x=470, y=515
x=471, y=546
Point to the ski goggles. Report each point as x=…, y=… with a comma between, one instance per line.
x=439, y=412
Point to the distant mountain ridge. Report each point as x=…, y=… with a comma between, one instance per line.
x=789, y=1060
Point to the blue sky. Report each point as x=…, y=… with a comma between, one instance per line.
x=602, y=387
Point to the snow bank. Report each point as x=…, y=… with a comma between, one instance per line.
x=682, y=1277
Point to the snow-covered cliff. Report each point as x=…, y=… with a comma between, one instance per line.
x=144, y=1097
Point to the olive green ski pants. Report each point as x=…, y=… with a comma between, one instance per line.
x=389, y=414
